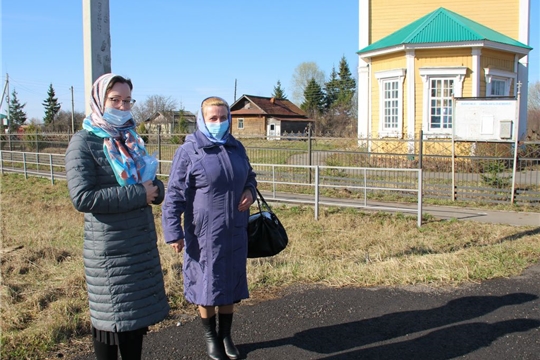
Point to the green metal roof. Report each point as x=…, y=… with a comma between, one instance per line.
x=441, y=26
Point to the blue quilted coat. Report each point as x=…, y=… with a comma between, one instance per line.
x=121, y=259
x=205, y=186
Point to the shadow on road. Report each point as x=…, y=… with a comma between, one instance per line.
x=440, y=344
x=447, y=343
x=521, y=234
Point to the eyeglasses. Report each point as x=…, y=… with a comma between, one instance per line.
x=118, y=102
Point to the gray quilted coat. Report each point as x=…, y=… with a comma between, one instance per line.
x=121, y=259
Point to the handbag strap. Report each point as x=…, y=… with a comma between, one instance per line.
x=264, y=203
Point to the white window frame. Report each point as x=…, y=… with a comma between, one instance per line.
x=240, y=124
x=455, y=73
x=384, y=77
x=499, y=75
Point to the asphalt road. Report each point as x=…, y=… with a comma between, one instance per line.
x=497, y=319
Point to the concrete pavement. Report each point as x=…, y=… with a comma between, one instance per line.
x=440, y=212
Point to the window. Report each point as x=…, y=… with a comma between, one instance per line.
x=441, y=94
x=390, y=99
x=497, y=88
x=498, y=82
x=240, y=123
x=441, y=85
x=391, y=102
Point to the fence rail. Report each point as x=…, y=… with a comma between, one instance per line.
x=51, y=166
x=480, y=172
x=281, y=180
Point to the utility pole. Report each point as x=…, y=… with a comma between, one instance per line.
x=72, y=113
x=2, y=101
x=8, y=105
x=97, y=44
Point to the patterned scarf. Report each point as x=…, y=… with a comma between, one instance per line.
x=123, y=147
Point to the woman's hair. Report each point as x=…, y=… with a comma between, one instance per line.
x=214, y=101
x=118, y=79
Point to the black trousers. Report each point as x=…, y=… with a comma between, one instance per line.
x=129, y=343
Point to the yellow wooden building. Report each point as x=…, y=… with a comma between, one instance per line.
x=417, y=56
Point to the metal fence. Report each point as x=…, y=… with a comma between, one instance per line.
x=281, y=180
x=472, y=172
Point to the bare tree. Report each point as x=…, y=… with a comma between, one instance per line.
x=62, y=121
x=301, y=78
x=142, y=111
x=533, y=110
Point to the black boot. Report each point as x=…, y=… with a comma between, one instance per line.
x=225, y=323
x=214, y=345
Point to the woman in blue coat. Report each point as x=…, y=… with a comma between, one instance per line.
x=211, y=185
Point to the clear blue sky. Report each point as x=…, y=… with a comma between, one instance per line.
x=187, y=50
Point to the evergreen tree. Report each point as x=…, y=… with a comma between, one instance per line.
x=313, y=98
x=279, y=93
x=52, y=107
x=332, y=89
x=347, y=84
x=16, y=111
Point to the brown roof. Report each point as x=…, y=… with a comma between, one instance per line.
x=252, y=111
x=266, y=106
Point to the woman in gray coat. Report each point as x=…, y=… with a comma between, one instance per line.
x=111, y=179
x=211, y=185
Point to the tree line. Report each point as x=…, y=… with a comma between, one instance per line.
x=331, y=102
x=54, y=119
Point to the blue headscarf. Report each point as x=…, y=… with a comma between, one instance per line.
x=201, y=124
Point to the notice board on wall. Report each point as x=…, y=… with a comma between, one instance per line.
x=486, y=119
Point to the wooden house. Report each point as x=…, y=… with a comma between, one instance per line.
x=416, y=57
x=268, y=116
x=169, y=121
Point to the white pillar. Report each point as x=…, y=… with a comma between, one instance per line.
x=476, y=54
x=411, y=96
x=364, y=105
x=97, y=43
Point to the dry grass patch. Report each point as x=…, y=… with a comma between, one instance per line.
x=351, y=248
x=43, y=300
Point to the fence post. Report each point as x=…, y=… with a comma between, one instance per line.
x=316, y=192
x=421, y=149
x=159, y=145
x=420, y=177
x=52, y=168
x=516, y=145
x=24, y=165
x=420, y=199
x=37, y=150
x=309, y=151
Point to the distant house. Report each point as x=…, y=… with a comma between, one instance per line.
x=169, y=120
x=267, y=116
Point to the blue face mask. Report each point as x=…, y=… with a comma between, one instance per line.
x=117, y=117
x=217, y=130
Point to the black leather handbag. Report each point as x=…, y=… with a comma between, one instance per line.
x=266, y=234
